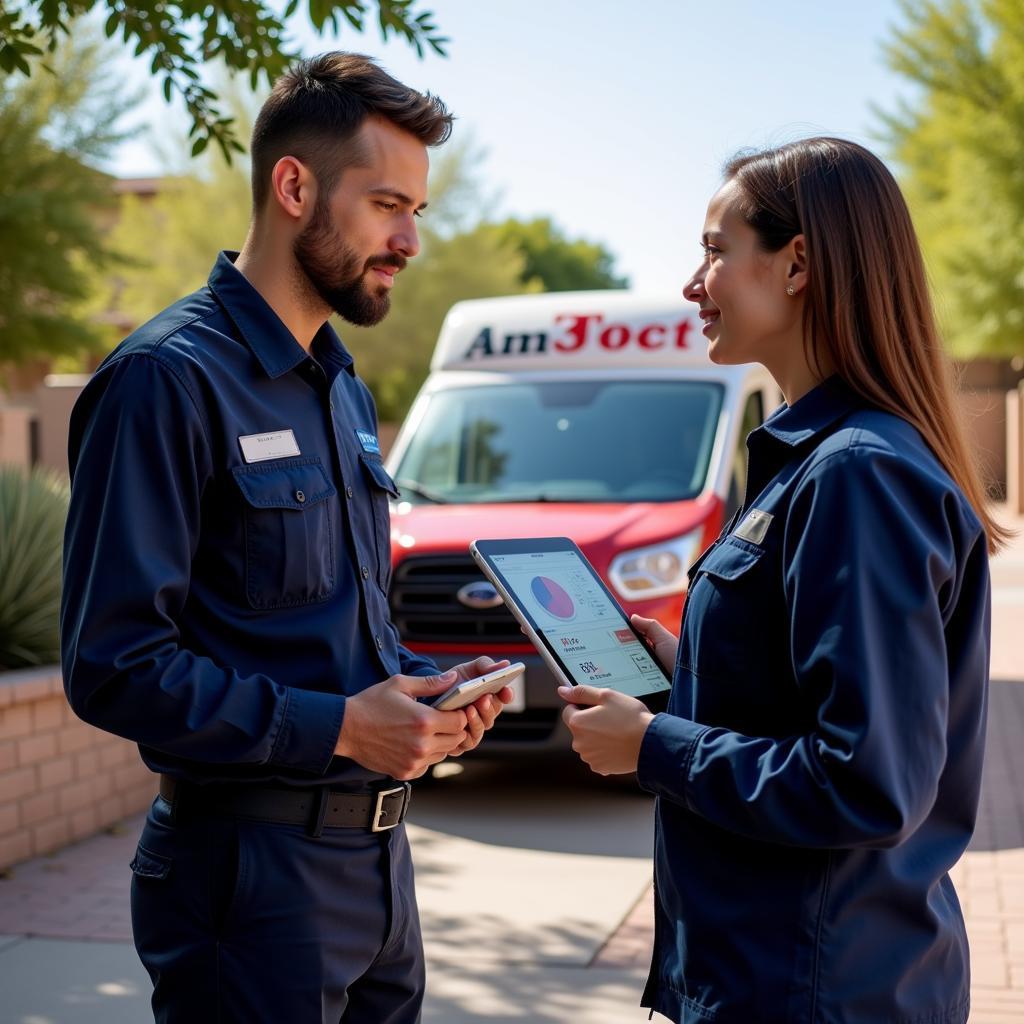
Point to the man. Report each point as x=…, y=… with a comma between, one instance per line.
x=226, y=568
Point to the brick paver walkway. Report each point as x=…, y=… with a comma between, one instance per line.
x=80, y=892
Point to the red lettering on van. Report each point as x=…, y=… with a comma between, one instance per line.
x=616, y=336
x=577, y=331
x=645, y=339
x=682, y=329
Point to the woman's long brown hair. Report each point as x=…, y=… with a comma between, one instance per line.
x=868, y=305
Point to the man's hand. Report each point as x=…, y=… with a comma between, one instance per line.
x=607, y=727
x=480, y=715
x=386, y=730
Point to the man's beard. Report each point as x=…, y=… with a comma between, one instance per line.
x=336, y=272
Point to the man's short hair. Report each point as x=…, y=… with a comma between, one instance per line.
x=319, y=105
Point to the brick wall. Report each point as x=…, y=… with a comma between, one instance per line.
x=60, y=779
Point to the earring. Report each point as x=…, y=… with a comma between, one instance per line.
x=790, y=290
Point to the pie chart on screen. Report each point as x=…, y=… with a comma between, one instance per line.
x=552, y=597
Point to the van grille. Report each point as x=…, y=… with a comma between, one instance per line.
x=425, y=608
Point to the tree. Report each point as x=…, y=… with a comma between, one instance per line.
x=960, y=146
x=52, y=201
x=555, y=262
x=195, y=214
x=180, y=36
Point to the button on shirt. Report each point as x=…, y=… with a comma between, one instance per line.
x=227, y=553
x=819, y=766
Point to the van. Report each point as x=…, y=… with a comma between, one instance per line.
x=592, y=415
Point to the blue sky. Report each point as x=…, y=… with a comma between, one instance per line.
x=615, y=118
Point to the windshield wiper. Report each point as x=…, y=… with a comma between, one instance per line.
x=421, y=492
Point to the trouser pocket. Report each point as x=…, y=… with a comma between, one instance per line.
x=186, y=881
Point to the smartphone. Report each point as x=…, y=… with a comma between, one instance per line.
x=465, y=693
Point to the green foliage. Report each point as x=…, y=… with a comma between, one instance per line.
x=180, y=36
x=554, y=262
x=960, y=145
x=33, y=507
x=52, y=201
x=194, y=216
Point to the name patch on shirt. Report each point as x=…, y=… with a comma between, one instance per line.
x=754, y=526
x=369, y=442
x=277, y=444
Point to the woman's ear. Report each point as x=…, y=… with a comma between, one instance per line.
x=796, y=265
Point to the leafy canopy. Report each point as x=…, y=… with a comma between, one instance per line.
x=960, y=145
x=179, y=36
x=52, y=203
x=558, y=263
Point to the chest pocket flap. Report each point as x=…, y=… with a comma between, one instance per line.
x=295, y=485
x=289, y=532
x=730, y=560
x=379, y=475
x=728, y=627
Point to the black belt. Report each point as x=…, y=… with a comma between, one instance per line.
x=317, y=809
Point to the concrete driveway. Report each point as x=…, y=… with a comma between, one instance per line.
x=523, y=874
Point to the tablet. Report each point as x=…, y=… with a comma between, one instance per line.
x=577, y=626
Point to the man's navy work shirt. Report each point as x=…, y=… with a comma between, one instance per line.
x=819, y=767
x=222, y=597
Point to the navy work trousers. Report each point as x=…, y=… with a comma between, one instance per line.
x=240, y=921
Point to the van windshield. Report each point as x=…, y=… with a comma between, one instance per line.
x=571, y=441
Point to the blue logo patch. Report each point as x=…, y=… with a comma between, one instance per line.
x=368, y=441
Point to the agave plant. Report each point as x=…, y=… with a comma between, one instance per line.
x=33, y=507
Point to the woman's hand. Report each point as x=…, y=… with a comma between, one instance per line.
x=607, y=727
x=665, y=644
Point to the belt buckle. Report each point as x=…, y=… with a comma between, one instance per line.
x=375, y=825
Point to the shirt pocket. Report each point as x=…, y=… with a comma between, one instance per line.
x=727, y=613
x=382, y=489
x=289, y=533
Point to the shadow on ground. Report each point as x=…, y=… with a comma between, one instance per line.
x=521, y=995
x=551, y=805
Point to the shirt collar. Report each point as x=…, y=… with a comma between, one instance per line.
x=815, y=412
x=260, y=327
x=331, y=353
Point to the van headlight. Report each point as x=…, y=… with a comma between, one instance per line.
x=656, y=570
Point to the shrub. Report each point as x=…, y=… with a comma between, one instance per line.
x=33, y=508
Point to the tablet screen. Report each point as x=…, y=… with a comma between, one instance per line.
x=581, y=624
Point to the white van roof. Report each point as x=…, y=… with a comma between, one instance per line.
x=571, y=330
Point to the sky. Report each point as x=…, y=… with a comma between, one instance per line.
x=615, y=118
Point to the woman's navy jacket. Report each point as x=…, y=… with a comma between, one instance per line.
x=818, y=769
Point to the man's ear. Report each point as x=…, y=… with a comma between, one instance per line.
x=292, y=188
x=796, y=265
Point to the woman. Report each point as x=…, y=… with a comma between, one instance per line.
x=819, y=765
